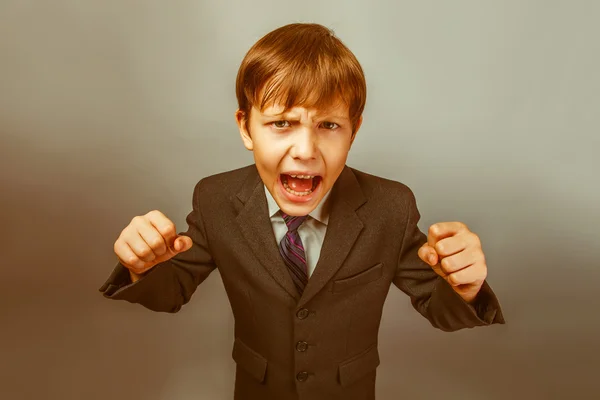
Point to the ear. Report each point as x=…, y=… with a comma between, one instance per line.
x=242, y=122
x=358, y=125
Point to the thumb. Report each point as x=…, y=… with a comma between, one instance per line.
x=182, y=243
x=428, y=254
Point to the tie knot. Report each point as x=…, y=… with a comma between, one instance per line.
x=293, y=223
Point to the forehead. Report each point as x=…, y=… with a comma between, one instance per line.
x=339, y=110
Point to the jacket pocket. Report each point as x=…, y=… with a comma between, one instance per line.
x=358, y=366
x=370, y=275
x=249, y=360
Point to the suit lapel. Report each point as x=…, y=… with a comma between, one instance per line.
x=256, y=228
x=342, y=232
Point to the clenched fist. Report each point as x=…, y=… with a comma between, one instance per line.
x=147, y=241
x=455, y=254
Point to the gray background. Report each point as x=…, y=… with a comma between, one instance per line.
x=109, y=109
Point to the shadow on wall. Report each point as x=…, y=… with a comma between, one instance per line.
x=61, y=218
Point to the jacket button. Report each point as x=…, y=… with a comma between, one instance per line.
x=302, y=376
x=301, y=346
x=302, y=313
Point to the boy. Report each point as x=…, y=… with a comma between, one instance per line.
x=307, y=247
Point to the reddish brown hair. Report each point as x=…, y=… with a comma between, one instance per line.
x=301, y=65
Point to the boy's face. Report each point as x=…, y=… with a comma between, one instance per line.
x=299, y=154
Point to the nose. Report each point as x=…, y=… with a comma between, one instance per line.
x=305, y=144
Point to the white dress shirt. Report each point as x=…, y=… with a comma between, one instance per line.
x=312, y=231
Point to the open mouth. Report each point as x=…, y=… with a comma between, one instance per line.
x=300, y=185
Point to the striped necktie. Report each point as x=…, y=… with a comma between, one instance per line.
x=292, y=251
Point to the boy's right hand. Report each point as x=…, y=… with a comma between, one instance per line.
x=147, y=241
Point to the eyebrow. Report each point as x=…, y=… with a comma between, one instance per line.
x=268, y=115
x=338, y=117
x=321, y=115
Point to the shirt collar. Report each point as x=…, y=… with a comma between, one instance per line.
x=319, y=213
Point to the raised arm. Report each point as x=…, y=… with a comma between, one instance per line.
x=158, y=268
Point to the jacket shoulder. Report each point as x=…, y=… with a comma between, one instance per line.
x=224, y=184
x=383, y=189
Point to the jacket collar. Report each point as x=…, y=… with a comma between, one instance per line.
x=344, y=226
x=320, y=213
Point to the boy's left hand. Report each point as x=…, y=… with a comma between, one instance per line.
x=455, y=254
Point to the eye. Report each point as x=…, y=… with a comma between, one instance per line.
x=330, y=125
x=280, y=124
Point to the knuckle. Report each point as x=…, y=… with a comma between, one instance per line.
x=446, y=265
x=144, y=252
x=440, y=248
x=128, y=232
x=154, y=213
x=464, y=243
x=120, y=253
x=433, y=229
x=156, y=243
x=452, y=279
x=132, y=260
x=168, y=229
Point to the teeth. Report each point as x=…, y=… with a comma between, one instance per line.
x=303, y=176
x=286, y=186
x=298, y=193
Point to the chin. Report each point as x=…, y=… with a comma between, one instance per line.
x=298, y=211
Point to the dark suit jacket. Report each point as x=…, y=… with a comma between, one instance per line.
x=321, y=345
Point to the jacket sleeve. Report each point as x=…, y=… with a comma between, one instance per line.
x=169, y=285
x=430, y=294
